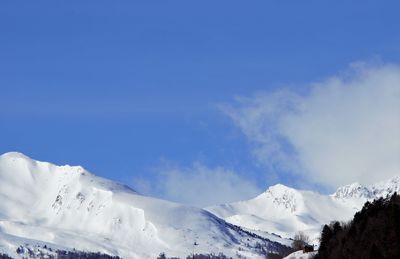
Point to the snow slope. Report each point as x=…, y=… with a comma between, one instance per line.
x=66, y=206
x=284, y=211
x=300, y=255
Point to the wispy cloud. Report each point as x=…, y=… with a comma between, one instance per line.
x=345, y=128
x=198, y=185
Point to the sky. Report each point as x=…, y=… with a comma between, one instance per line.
x=205, y=102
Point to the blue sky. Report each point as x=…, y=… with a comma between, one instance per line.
x=129, y=89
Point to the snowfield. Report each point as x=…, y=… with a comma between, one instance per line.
x=66, y=207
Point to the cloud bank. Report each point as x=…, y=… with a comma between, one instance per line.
x=344, y=129
x=199, y=185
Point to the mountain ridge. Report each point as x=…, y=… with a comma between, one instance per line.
x=70, y=207
x=284, y=210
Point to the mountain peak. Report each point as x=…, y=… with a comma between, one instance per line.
x=279, y=188
x=283, y=196
x=380, y=189
x=385, y=188
x=14, y=154
x=354, y=190
x=392, y=181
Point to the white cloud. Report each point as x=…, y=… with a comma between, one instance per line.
x=199, y=185
x=344, y=129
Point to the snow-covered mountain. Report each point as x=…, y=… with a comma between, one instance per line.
x=67, y=207
x=284, y=211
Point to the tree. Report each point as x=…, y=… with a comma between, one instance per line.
x=326, y=236
x=373, y=233
x=300, y=240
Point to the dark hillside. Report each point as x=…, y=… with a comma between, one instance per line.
x=374, y=233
